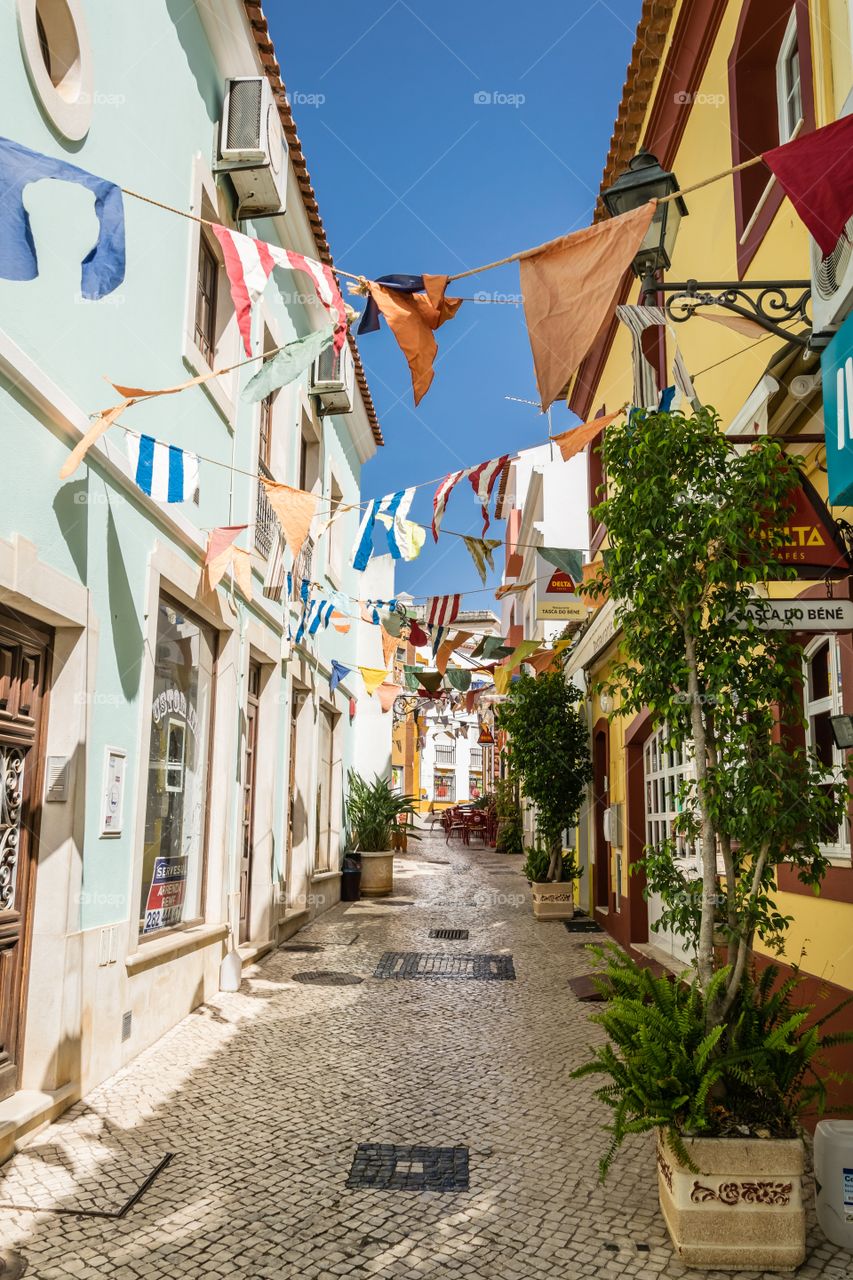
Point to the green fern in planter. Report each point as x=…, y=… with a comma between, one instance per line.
x=375, y=812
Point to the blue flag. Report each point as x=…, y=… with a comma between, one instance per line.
x=104, y=265
x=339, y=673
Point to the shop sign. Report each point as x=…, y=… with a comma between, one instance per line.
x=814, y=543
x=175, y=700
x=165, y=905
x=802, y=615
x=836, y=365
x=556, y=595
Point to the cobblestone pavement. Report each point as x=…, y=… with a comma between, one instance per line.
x=263, y=1098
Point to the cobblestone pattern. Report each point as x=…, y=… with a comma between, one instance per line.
x=266, y=1095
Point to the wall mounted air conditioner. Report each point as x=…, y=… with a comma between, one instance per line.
x=333, y=380
x=832, y=282
x=252, y=147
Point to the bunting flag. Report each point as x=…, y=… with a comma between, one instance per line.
x=816, y=173
x=101, y=423
x=393, y=512
x=637, y=320
x=481, y=550
x=668, y=400
x=338, y=673
x=295, y=510
x=494, y=647
x=410, y=678
x=448, y=647
x=417, y=636
x=437, y=638
x=471, y=700
x=103, y=267
x=577, y=438
x=442, y=610
x=370, y=609
x=218, y=554
x=458, y=678
x=570, y=287
x=363, y=546
x=543, y=661
x=248, y=265
x=681, y=377
x=340, y=622
x=275, y=577
x=287, y=364
x=388, y=694
x=571, y=562
x=389, y=645
x=441, y=498
x=738, y=324
x=163, y=471
x=412, y=318
x=483, y=479
x=512, y=588
x=373, y=677
x=241, y=564
x=429, y=680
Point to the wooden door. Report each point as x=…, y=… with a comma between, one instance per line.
x=23, y=684
x=291, y=800
x=250, y=742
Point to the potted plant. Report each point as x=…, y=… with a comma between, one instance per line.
x=549, y=753
x=694, y=528
x=376, y=813
x=510, y=832
x=552, y=899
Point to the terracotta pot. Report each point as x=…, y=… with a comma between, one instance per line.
x=377, y=874
x=743, y=1210
x=553, y=899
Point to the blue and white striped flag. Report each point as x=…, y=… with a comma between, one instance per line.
x=163, y=471
x=363, y=549
x=396, y=507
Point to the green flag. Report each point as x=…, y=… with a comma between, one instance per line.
x=571, y=562
x=481, y=553
x=458, y=678
x=287, y=364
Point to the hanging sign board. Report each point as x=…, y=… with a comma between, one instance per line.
x=556, y=595
x=815, y=547
x=803, y=615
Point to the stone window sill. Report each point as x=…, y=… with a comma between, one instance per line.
x=323, y=875
x=162, y=950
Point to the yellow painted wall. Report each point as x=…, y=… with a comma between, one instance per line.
x=821, y=937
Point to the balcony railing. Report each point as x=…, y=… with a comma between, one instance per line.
x=265, y=519
x=477, y=760
x=445, y=756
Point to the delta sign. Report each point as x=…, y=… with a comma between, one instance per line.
x=815, y=548
x=556, y=595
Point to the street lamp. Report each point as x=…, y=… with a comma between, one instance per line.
x=765, y=302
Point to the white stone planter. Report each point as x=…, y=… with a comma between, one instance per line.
x=743, y=1211
x=377, y=874
x=553, y=899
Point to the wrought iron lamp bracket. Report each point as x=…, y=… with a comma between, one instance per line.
x=768, y=303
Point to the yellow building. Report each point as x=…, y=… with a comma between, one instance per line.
x=712, y=83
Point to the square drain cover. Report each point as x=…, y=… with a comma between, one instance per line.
x=431, y=964
x=449, y=935
x=384, y=1167
x=582, y=924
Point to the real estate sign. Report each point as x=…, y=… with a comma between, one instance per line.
x=556, y=595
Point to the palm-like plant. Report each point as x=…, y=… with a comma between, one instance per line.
x=375, y=812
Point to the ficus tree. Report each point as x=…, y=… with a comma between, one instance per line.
x=695, y=530
x=549, y=753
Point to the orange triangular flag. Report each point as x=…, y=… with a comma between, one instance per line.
x=412, y=317
x=389, y=644
x=101, y=424
x=445, y=650
x=570, y=287
x=542, y=661
x=219, y=548
x=571, y=442
x=295, y=510
x=388, y=694
x=241, y=562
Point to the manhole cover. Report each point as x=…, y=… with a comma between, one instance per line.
x=430, y=964
x=384, y=1167
x=582, y=924
x=302, y=947
x=12, y=1264
x=449, y=935
x=327, y=978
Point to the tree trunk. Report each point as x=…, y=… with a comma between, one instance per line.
x=555, y=869
x=705, y=956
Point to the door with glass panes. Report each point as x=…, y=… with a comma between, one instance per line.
x=664, y=769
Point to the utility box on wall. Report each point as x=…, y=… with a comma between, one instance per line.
x=613, y=825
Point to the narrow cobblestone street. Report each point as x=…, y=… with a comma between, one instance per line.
x=263, y=1097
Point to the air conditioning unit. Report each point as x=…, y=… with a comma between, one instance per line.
x=252, y=148
x=333, y=380
x=832, y=288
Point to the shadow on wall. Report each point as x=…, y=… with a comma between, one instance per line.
x=127, y=633
x=193, y=41
x=70, y=506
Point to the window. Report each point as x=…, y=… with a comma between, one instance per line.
x=664, y=770
x=477, y=759
x=822, y=693
x=335, y=552
x=265, y=518
x=58, y=54
x=173, y=850
x=444, y=786
x=205, y=302
x=475, y=786
x=788, y=86
x=445, y=755
x=328, y=826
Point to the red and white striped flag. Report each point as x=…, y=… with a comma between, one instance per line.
x=442, y=610
x=249, y=263
x=442, y=495
x=483, y=480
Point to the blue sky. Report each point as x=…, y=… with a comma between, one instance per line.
x=414, y=171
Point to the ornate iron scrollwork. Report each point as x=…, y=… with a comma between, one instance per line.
x=769, y=304
x=11, y=793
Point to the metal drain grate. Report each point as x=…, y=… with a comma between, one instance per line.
x=582, y=924
x=302, y=948
x=384, y=1167
x=449, y=935
x=12, y=1264
x=327, y=978
x=431, y=964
